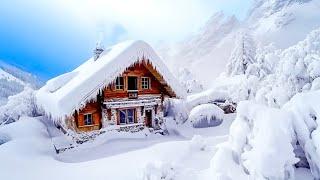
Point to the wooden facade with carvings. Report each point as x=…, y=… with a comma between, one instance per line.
x=134, y=98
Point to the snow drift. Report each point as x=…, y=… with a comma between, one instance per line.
x=266, y=143
x=206, y=115
x=19, y=105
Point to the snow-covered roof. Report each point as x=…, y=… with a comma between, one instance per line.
x=70, y=91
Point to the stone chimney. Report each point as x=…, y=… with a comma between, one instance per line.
x=99, y=47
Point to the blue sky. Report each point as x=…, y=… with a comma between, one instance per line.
x=48, y=38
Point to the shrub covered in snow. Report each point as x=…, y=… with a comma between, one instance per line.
x=260, y=142
x=22, y=104
x=298, y=66
x=266, y=142
x=305, y=110
x=204, y=97
x=244, y=90
x=206, y=115
x=177, y=108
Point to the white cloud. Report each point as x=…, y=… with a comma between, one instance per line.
x=152, y=20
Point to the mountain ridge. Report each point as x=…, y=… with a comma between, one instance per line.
x=13, y=80
x=282, y=23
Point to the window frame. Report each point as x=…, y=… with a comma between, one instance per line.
x=126, y=120
x=119, y=86
x=125, y=116
x=132, y=116
x=145, y=82
x=85, y=120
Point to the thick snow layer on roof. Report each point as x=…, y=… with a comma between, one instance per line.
x=68, y=92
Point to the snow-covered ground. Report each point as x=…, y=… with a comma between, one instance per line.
x=29, y=153
x=279, y=123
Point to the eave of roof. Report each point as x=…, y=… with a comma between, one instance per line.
x=83, y=84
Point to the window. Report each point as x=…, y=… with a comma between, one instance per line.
x=126, y=116
x=88, y=119
x=132, y=83
x=145, y=83
x=130, y=116
x=123, y=114
x=119, y=83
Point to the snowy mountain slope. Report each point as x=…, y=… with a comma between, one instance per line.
x=13, y=80
x=206, y=51
x=218, y=27
x=281, y=22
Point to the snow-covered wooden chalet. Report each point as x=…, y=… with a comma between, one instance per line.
x=124, y=86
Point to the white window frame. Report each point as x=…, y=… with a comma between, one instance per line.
x=145, y=83
x=85, y=120
x=119, y=86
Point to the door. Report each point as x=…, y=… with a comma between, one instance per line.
x=148, y=118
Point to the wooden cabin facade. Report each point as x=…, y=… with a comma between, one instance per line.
x=121, y=87
x=134, y=98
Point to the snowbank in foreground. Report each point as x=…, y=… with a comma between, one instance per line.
x=27, y=138
x=28, y=154
x=264, y=142
x=305, y=108
x=259, y=143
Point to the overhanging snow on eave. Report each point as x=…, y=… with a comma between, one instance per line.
x=65, y=103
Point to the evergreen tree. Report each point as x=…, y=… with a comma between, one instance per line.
x=242, y=56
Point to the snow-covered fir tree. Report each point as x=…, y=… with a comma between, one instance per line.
x=187, y=79
x=265, y=60
x=22, y=104
x=243, y=54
